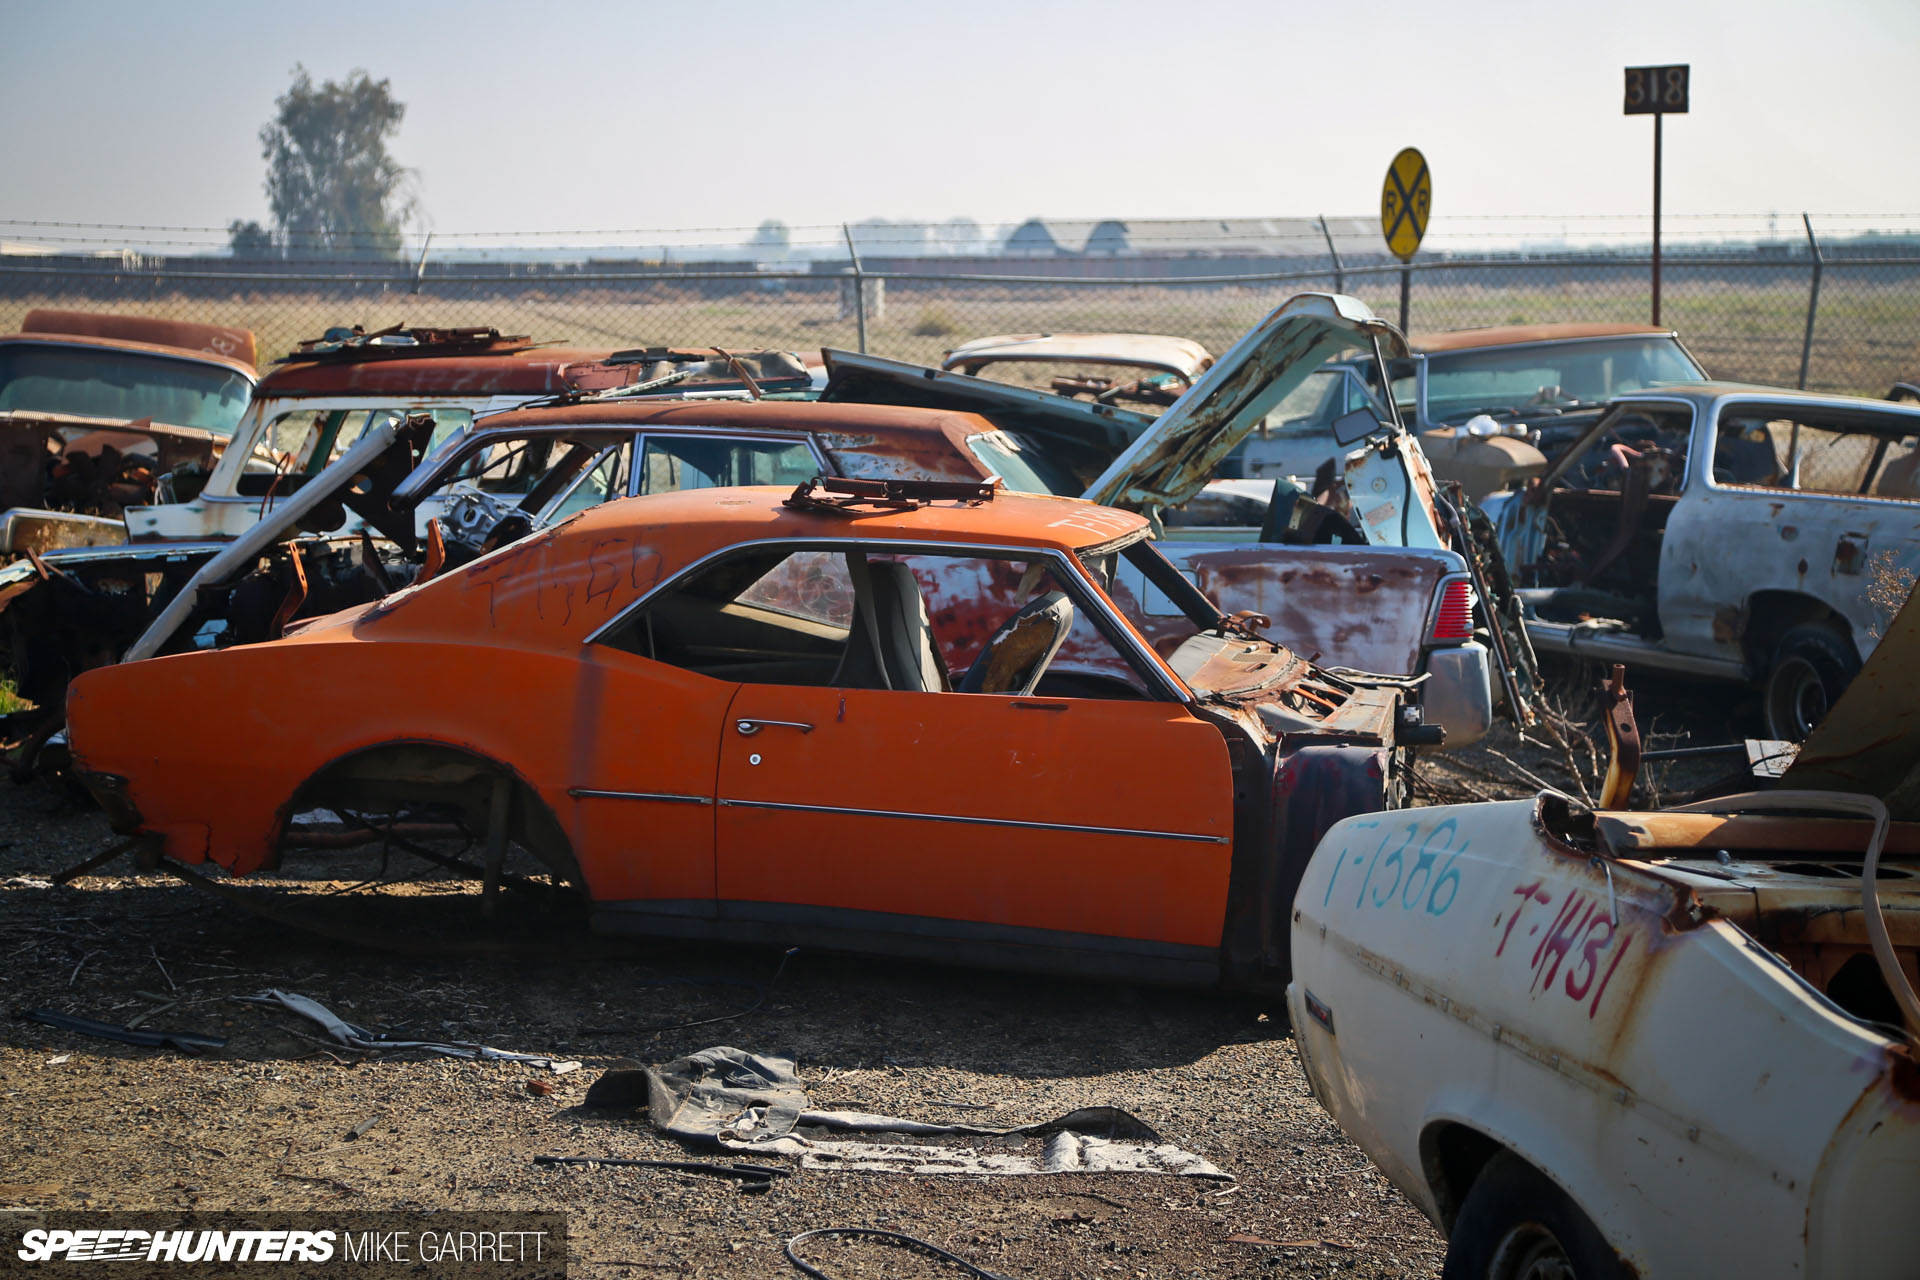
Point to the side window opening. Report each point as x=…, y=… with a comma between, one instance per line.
x=869, y=619
x=1754, y=448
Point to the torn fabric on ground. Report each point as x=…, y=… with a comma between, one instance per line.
x=354, y=1037
x=755, y=1104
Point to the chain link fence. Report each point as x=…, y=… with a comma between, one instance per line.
x=1830, y=304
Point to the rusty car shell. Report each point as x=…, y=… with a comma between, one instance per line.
x=1109, y=368
x=82, y=606
x=1152, y=835
x=1673, y=1017
x=1368, y=607
x=173, y=392
x=1544, y=384
x=1710, y=553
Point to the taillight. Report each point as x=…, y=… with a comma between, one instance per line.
x=1453, y=619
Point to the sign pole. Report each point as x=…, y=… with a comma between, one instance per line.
x=1658, y=116
x=1406, y=201
x=1655, y=91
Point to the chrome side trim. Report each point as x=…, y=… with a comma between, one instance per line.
x=664, y=797
x=975, y=822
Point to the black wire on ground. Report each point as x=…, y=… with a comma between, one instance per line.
x=765, y=989
x=896, y=1238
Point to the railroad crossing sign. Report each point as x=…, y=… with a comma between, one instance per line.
x=1405, y=201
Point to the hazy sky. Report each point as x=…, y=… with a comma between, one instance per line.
x=563, y=115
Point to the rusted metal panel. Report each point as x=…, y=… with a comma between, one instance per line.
x=1173, y=459
x=1359, y=607
x=1504, y=335
x=229, y=344
x=1870, y=741
x=535, y=372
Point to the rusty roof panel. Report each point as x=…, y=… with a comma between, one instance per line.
x=1501, y=335
x=533, y=372
x=181, y=335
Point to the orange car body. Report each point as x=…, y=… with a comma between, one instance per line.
x=1150, y=835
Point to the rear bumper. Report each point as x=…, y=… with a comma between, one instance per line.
x=1458, y=693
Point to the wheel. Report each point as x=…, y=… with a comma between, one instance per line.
x=1516, y=1225
x=1811, y=666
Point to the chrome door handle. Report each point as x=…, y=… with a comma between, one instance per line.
x=748, y=728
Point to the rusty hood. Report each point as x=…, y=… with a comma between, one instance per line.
x=1870, y=741
x=1170, y=462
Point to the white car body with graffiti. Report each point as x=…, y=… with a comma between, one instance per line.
x=1657, y=1034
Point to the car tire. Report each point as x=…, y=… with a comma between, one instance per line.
x=1517, y=1225
x=1811, y=666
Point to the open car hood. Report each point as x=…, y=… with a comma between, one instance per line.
x=1172, y=460
x=1870, y=741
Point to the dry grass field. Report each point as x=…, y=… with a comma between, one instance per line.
x=1866, y=338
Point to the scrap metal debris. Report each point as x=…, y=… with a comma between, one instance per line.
x=750, y=1102
x=354, y=1037
x=185, y=1041
x=754, y=1178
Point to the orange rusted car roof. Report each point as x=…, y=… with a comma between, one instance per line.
x=1501, y=335
x=561, y=585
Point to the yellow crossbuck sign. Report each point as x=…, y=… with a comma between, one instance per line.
x=1405, y=201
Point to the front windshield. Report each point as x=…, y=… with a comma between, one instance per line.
x=1020, y=466
x=100, y=382
x=1550, y=375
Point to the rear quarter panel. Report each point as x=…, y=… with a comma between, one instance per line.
x=1679, y=1084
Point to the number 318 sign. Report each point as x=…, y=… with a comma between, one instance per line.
x=1656, y=90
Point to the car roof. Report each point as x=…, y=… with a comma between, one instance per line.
x=534, y=371
x=724, y=517
x=560, y=585
x=1706, y=392
x=905, y=433
x=1502, y=335
x=186, y=339
x=159, y=350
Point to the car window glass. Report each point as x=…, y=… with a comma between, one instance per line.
x=100, y=382
x=1308, y=407
x=669, y=463
x=1020, y=466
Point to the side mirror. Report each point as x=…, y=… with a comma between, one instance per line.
x=1356, y=425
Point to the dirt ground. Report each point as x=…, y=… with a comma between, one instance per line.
x=264, y=1121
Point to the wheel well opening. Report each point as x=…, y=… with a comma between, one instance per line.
x=429, y=778
x=1452, y=1156
x=1771, y=614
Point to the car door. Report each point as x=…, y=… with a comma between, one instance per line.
x=992, y=817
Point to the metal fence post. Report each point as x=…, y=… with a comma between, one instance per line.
x=1813, y=300
x=859, y=288
x=1406, y=289
x=1339, y=272
x=420, y=267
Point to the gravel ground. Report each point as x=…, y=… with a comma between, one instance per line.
x=264, y=1122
